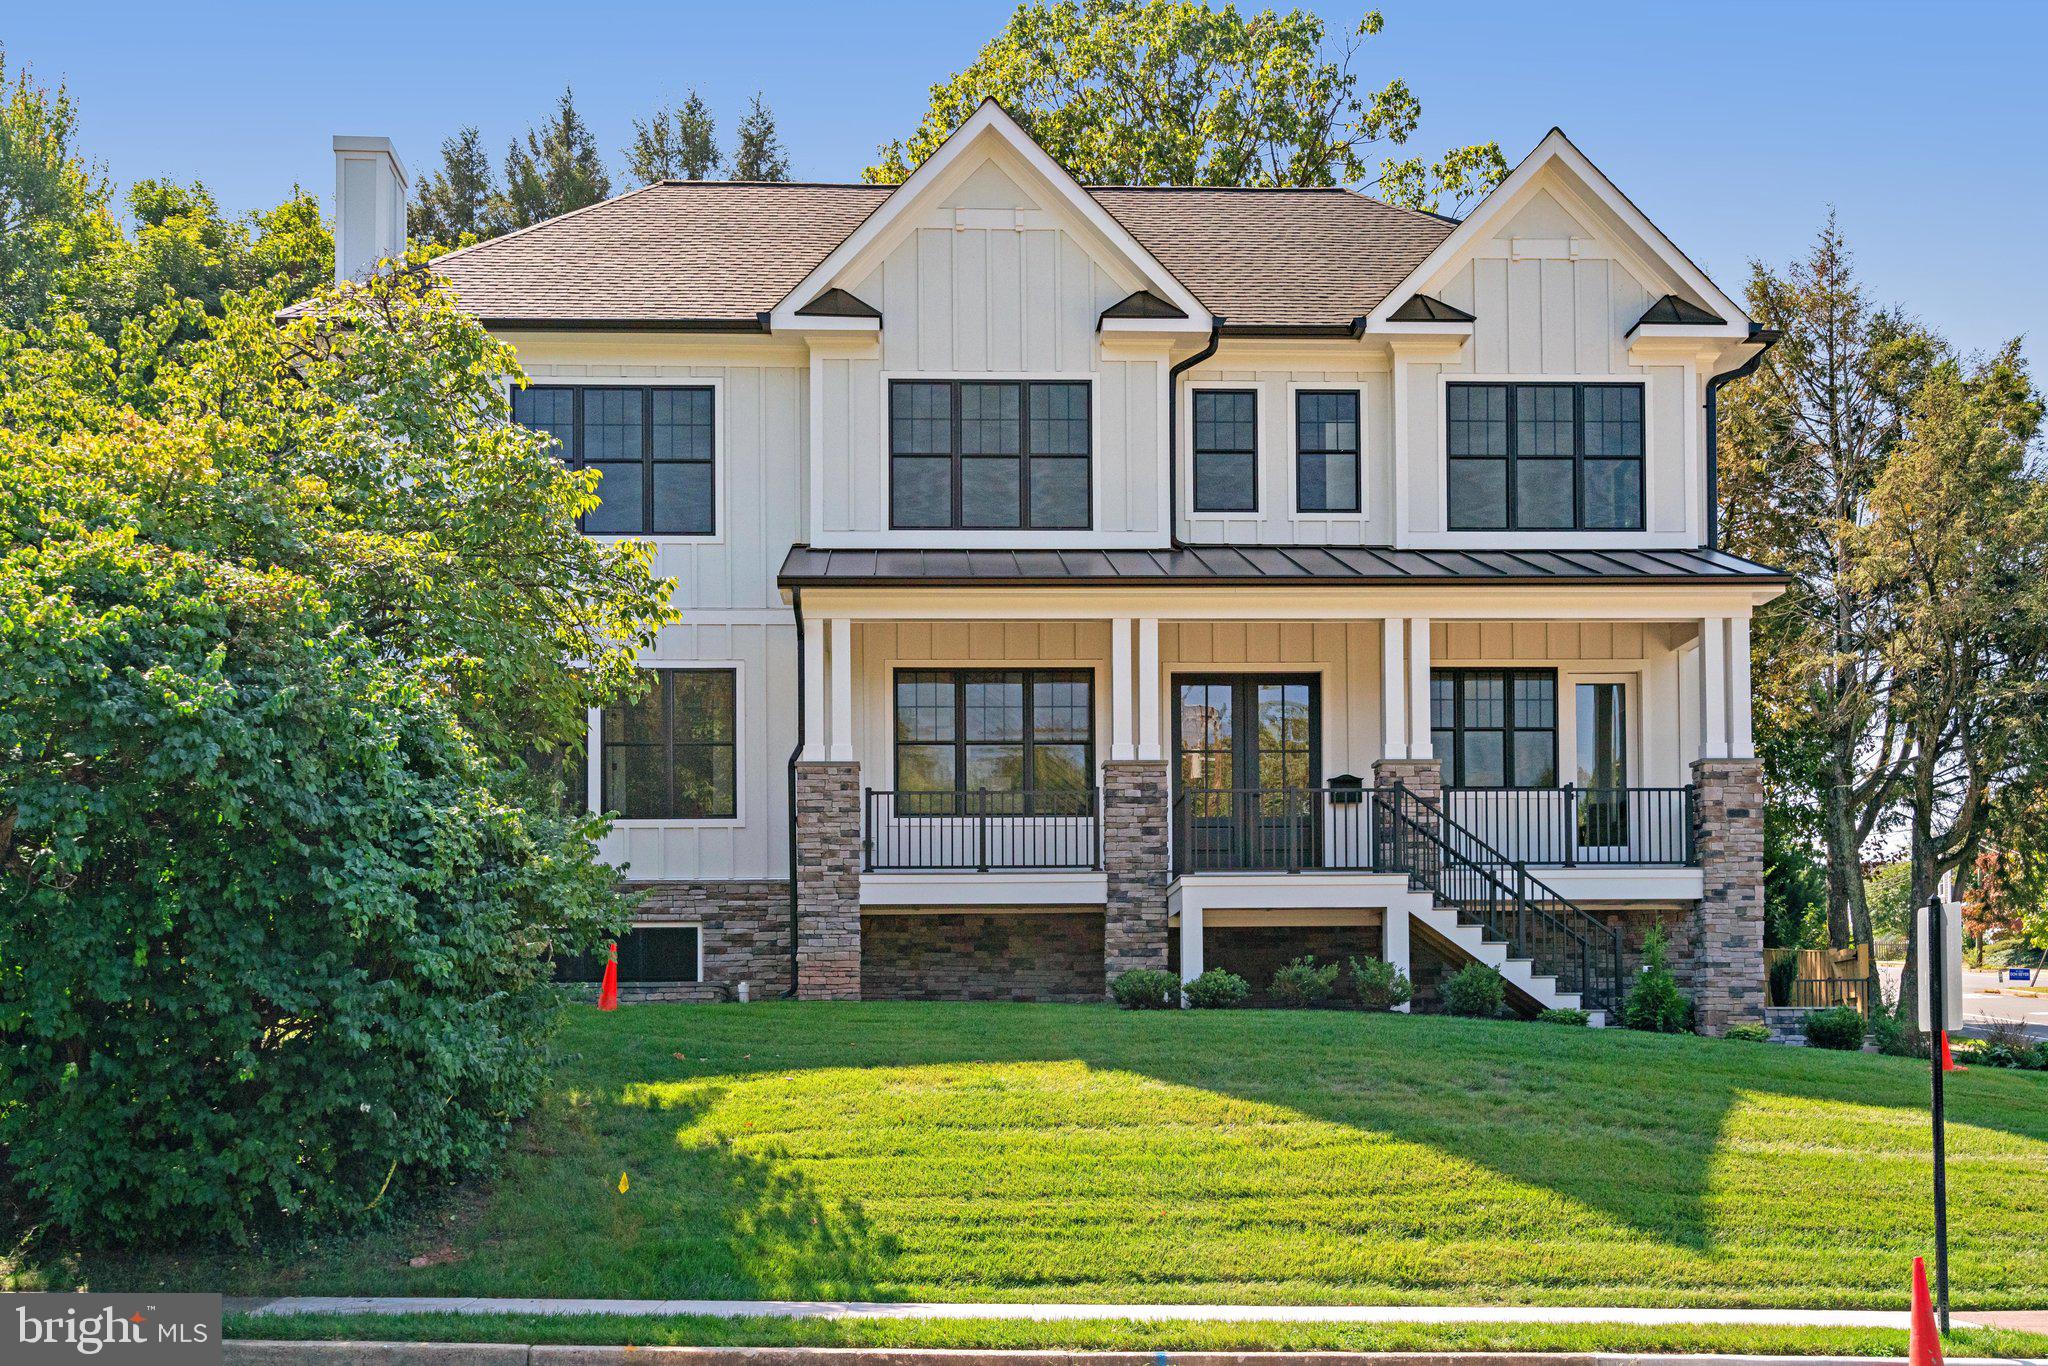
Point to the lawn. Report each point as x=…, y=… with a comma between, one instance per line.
x=998, y=1152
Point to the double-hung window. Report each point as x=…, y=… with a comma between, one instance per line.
x=652, y=447
x=673, y=754
x=1226, y=448
x=1004, y=741
x=1545, y=457
x=1494, y=727
x=1326, y=450
x=975, y=454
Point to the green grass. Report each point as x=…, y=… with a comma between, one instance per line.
x=963, y=1152
x=1113, y=1335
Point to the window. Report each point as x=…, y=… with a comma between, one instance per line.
x=1494, y=727
x=652, y=447
x=671, y=755
x=1226, y=450
x=1326, y=450
x=647, y=953
x=1603, y=764
x=973, y=454
x=1545, y=457
x=1008, y=732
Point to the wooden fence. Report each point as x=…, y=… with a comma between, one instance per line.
x=1822, y=977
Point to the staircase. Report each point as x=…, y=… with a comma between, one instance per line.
x=1494, y=911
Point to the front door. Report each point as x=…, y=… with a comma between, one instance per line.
x=1247, y=754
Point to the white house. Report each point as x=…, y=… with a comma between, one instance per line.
x=1083, y=578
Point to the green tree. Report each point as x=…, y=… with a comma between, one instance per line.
x=554, y=169
x=1169, y=92
x=54, y=217
x=676, y=144
x=452, y=207
x=757, y=152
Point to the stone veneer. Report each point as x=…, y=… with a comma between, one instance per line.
x=1134, y=845
x=977, y=956
x=1680, y=923
x=1728, y=937
x=745, y=929
x=1423, y=777
x=828, y=881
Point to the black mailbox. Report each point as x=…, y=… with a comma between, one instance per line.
x=1347, y=789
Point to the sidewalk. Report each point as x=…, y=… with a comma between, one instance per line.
x=2026, y=1320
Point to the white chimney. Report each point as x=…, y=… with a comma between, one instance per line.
x=369, y=205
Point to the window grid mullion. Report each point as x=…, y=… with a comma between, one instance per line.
x=647, y=461
x=1024, y=457
x=955, y=392
x=668, y=739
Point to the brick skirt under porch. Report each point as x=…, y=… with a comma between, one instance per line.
x=982, y=956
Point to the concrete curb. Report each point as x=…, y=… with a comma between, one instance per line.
x=249, y=1352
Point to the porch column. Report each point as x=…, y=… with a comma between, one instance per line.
x=828, y=881
x=1418, y=688
x=1394, y=944
x=1741, y=725
x=1404, y=709
x=815, y=746
x=1713, y=654
x=1393, y=692
x=1190, y=941
x=1120, y=748
x=1151, y=745
x=842, y=690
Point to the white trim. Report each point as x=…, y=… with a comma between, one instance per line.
x=715, y=383
x=813, y=684
x=1186, y=438
x=1292, y=417
x=1121, y=749
x=1393, y=689
x=1151, y=741
x=946, y=889
x=1741, y=719
x=1420, y=741
x=738, y=819
x=841, y=688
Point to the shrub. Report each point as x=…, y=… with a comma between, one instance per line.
x=1301, y=983
x=1218, y=989
x=1563, y=1016
x=2005, y=1043
x=1146, y=989
x=1891, y=1036
x=1783, y=973
x=1655, y=1003
x=1837, y=1027
x=1749, y=1031
x=1475, y=990
x=1379, y=984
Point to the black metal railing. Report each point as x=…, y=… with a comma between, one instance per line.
x=1264, y=829
x=982, y=831
x=1574, y=827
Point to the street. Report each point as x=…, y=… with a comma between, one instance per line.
x=1986, y=998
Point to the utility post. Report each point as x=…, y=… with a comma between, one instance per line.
x=1934, y=969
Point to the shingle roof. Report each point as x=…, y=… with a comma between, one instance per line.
x=1289, y=566
x=718, y=254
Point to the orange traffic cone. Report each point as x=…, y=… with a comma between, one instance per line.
x=1948, y=1062
x=608, y=994
x=1923, y=1344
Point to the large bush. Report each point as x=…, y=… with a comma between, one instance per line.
x=1655, y=1003
x=1837, y=1027
x=1301, y=983
x=1146, y=989
x=1475, y=990
x=1218, y=989
x=1379, y=984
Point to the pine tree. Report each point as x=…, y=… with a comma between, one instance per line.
x=676, y=144
x=759, y=154
x=556, y=168
x=453, y=204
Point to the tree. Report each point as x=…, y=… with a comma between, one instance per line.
x=1161, y=92
x=555, y=169
x=53, y=206
x=757, y=152
x=676, y=144
x=1803, y=442
x=453, y=206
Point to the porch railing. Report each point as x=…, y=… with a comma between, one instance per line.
x=1254, y=829
x=1058, y=830
x=1575, y=827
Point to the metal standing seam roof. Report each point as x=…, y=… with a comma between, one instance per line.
x=1209, y=565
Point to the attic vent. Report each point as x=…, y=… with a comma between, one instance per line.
x=1424, y=308
x=837, y=303
x=1143, y=304
x=1674, y=311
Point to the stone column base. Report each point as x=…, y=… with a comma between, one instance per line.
x=1134, y=855
x=1423, y=777
x=1728, y=927
x=828, y=881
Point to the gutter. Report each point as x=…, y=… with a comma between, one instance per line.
x=796, y=604
x=1768, y=336
x=1172, y=423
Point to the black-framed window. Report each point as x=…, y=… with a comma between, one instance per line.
x=1544, y=457
x=1226, y=450
x=1326, y=450
x=653, y=446
x=647, y=953
x=989, y=454
x=1022, y=740
x=1494, y=727
x=673, y=754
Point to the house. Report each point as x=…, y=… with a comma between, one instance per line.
x=1077, y=579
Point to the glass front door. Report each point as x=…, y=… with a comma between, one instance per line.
x=1247, y=767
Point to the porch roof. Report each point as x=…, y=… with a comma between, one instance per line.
x=1213, y=565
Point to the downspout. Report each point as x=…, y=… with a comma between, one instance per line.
x=1766, y=335
x=796, y=603
x=1172, y=422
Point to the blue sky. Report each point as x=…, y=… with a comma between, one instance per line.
x=1735, y=125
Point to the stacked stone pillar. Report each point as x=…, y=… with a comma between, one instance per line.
x=1728, y=935
x=828, y=881
x=1134, y=845
x=1423, y=777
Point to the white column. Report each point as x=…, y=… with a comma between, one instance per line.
x=842, y=690
x=814, y=689
x=1190, y=942
x=1394, y=941
x=1418, y=687
x=593, y=759
x=1150, y=743
x=1120, y=747
x=1714, y=688
x=1393, y=693
x=1741, y=728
